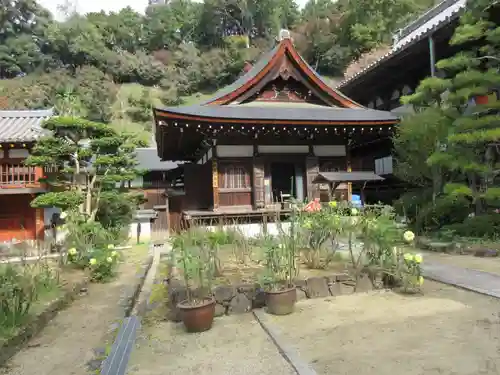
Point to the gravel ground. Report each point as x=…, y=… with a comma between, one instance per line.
x=491, y=265
x=445, y=331
x=236, y=345
x=66, y=345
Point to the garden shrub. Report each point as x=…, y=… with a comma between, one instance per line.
x=487, y=226
x=423, y=215
x=20, y=287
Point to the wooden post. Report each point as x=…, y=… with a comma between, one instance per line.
x=312, y=170
x=348, y=167
x=39, y=223
x=215, y=183
x=258, y=183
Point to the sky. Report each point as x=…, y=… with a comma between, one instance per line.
x=86, y=6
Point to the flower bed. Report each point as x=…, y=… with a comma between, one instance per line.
x=242, y=298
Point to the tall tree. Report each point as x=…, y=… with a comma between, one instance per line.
x=22, y=25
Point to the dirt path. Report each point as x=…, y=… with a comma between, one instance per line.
x=236, y=345
x=445, y=331
x=66, y=345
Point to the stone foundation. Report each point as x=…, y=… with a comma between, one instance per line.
x=239, y=299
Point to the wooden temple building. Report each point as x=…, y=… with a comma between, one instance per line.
x=265, y=139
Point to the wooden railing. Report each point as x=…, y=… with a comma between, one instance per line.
x=17, y=175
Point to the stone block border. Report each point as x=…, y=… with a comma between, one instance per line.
x=12, y=346
x=239, y=299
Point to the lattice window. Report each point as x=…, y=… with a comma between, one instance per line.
x=235, y=177
x=17, y=174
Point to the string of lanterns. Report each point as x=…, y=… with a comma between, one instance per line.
x=12, y=145
x=213, y=130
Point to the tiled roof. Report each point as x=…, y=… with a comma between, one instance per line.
x=23, y=126
x=437, y=17
x=299, y=113
x=148, y=159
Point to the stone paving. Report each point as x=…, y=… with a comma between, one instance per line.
x=477, y=281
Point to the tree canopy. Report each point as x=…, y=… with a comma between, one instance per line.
x=177, y=49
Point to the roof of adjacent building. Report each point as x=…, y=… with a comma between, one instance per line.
x=434, y=19
x=23, y=125
x=148, y=159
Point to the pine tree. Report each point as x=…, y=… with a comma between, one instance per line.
x=473, y=74
x=91, y=160
x=468, y=151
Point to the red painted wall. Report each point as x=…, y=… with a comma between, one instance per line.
x=18, y=219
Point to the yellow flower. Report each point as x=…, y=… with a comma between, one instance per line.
x=332, y=204
x=409, y=236
x=420, y=280
x=418, y=258
x=109, y=260
x=408, y=257
x=111, y=246
x=72, y=251
x=93, y=261
x=114, y=253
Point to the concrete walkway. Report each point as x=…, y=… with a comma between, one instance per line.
x=476, y=281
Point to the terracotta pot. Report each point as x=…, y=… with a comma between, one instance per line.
x=197, y=317
x=281, y=302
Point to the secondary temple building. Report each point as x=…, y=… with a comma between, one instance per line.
x=267, y=137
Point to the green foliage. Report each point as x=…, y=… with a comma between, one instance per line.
x=484, y=226
x=91, y=159
x=194, y=256
x=318, y=228
x=20, y=287
x=78, y=65
x=280, y=255
x=103, y=264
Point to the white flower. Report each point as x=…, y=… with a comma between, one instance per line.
x=111, y=246
x=409, y=236
x=93, y=261
x=109, y=260
x=281, y=246
x=63, y=215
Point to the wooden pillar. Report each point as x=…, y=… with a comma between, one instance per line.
x=348, y=167
x=258, y=183
x=39, y=223
x=312, y=170
x=215, y=183
x=432, y=56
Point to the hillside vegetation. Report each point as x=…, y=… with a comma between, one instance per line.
x=115, y=67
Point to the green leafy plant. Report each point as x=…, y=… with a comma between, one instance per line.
x=319, y=227
x=21, y=285
x=280, y=255
x=192, y=255
x=103, y=264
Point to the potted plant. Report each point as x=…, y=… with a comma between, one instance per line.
x=192, y=256
x=280, y=269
